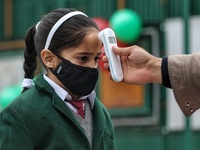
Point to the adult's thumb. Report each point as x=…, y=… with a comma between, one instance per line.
x=121, y=51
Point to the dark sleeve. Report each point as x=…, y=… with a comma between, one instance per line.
x=165, y=73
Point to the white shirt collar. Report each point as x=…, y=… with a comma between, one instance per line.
x=63, y=94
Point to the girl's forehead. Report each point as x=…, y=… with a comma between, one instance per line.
x=92, y=41
x=90, y=44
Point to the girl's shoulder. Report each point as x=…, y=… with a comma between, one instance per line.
x=30, y=100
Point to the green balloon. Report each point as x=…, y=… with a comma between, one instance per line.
x=8, y=94
x=126, y=24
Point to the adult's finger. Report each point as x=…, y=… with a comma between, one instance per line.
x=106, y=66
x=122, y=51
x=105, y=59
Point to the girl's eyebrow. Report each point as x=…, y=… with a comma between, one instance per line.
x=85, y=53
x=88, y=53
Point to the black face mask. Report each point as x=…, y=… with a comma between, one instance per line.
x=77, y=79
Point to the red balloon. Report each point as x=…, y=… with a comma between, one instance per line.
x=101, y=23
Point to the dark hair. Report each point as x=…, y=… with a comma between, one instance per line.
x=69, y=34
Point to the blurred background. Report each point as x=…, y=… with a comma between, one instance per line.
x=145, y=117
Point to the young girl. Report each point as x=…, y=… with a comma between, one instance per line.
x=44, y=116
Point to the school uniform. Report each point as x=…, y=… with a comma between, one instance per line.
x=39, y=119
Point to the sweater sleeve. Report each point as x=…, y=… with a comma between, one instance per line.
x=185, y=76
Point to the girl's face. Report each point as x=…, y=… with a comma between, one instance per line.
x=86, y=54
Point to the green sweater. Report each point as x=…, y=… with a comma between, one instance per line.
x=38, y=119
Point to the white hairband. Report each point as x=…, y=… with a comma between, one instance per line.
x=57, y=25
x=36, y=27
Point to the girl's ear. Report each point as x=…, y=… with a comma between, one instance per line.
x=49, y=59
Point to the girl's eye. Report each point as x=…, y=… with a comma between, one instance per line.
x=83, y=58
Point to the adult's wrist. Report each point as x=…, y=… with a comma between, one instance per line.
x=156, y=76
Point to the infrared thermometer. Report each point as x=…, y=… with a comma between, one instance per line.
x=107, y=36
